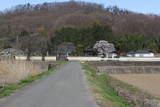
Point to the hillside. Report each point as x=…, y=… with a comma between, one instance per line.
x=53, y=16
x=50, y=17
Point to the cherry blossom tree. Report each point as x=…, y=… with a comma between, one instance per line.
x=104, y=48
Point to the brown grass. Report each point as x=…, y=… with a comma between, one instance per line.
x=13, y=71
x=146, y=82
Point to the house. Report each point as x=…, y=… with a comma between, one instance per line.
x=113, y=55
x=140, y=53
x=108, y=55
x=144, y=53
x=63, y=50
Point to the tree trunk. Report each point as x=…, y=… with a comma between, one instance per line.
x=28, y=56
x=43, y=57
x=107, y=55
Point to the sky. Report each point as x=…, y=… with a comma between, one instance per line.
x=141, y=6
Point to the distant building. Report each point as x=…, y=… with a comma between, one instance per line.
x=63, y=50
x=108, y=55
x=113, y=55
x=140, y=53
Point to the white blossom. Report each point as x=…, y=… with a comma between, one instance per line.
x=103, y=47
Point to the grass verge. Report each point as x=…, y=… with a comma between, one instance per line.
x=103, y=94
x=7, y=90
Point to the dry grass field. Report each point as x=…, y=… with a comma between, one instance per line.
x=13, y=71
x=147, y=82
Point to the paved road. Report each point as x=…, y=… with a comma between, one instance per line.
x=64, y=88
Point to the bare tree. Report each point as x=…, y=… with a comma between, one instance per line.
x=28, y=45
x=42, y=38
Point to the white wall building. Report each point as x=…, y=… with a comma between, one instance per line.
x=140, y=53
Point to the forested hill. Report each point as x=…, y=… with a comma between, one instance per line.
x=53, y=16
x=50, y=17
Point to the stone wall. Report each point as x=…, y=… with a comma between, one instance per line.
x=116, y=67
x=123, y=63
x=128, y=69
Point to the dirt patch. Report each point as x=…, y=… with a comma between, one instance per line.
x=146, y=82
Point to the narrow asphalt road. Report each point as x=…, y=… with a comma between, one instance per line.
x=64, y=88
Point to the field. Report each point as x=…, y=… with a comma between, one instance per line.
x=136, y=82
x=143, y=75
x=146, y=82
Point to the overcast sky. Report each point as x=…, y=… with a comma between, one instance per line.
x=143, y=6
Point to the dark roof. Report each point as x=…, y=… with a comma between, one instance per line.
x=140, y=52
x=143, y=52
x=131, y=52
